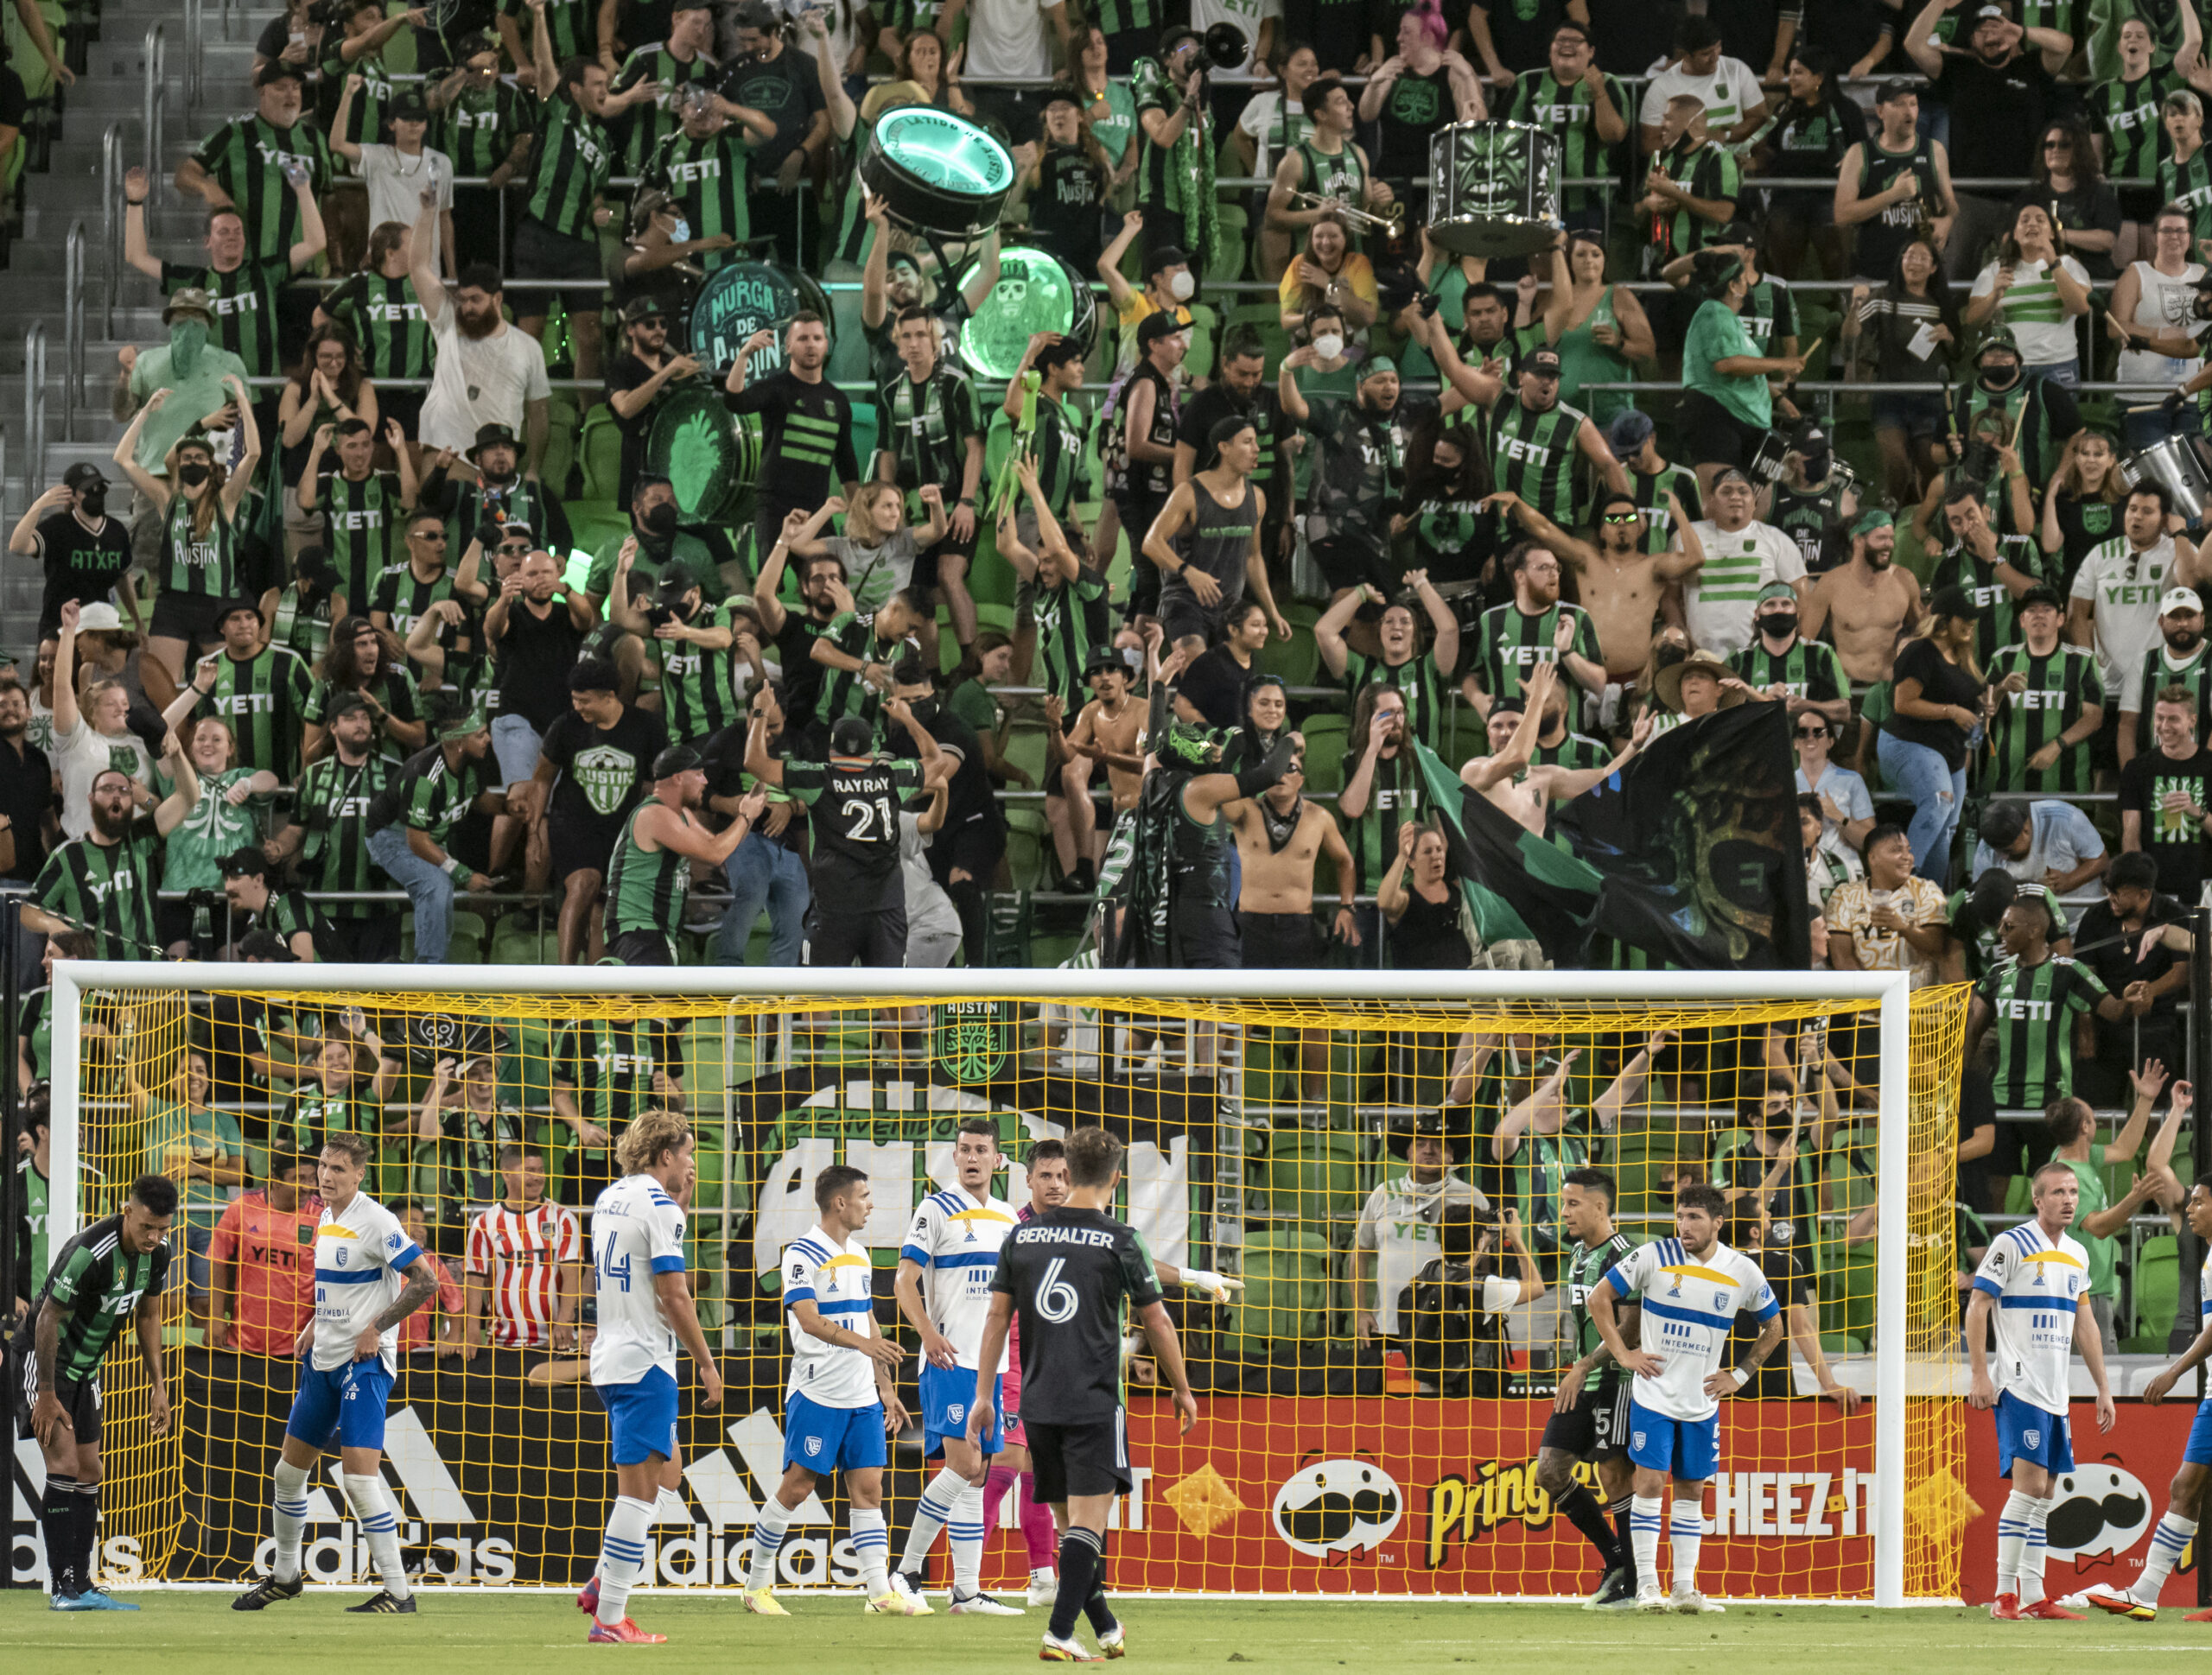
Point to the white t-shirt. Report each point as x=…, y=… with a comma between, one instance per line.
x=1008, y=38
x=835, y=1275
x=80, y=756
x=1689, y=1303
x=2123, y=588
x=1730, y=91
x=1245, y=13
x=359, y=1253
x=2032, y=309
x=2133, y=697
x=478, y=381
x=1399, y=1224
x=637, y=1231
x=933, y=922
x=396, y=182
x=2060, y=838
x=2037, y=1283
x=1719, y=600
x=1268, y=117
x=954, y=1239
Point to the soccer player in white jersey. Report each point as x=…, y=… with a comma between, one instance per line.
x=645, y=1311
x=2176, y=1528
x=369, y=1276
x=2033, y=1280
x=840, y=1405
x=954, y=1240
x=1689, y=1290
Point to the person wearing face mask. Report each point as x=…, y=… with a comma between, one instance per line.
x=1814, y=501
x=1860, y=606
x=1169, y=285
x=703, y=165
x=1781, y=664
x=2179, y=659
x=2041, y=412
x=656, y=543
x=85, y=553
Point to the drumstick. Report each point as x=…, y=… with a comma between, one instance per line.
x=1805, y=353
x=2018, y=422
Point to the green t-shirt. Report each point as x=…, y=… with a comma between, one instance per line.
x=214, y=829
x=2104, y=1253
x=191, y=399
x=1715, y=334
x=208, y=1134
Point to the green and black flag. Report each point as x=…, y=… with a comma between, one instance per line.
x=1517, y=886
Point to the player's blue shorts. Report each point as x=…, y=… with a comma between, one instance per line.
x=640, y=1417
x=2025, y=1431
x=341, y=1408
x=827, y=1439
x=946, y=1393
x=1687, y=1451
x=2199, y=1451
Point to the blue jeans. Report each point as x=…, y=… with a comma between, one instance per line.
x=2068, y=371
x=426, y=887
x=2154, y=424
x=763, y=872
x=1937, y=792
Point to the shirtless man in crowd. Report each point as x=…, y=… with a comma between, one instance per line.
x=1505, y=776
x=1865, y=601
x=1109, y=730
x=1620, y=585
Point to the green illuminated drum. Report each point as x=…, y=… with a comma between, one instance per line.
x=709, y=455
x=936, y=172
x=1493, y=189
x=1037, y=292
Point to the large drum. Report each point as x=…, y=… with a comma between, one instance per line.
x=1493, y=189
x=741, y=298
x=1037, y=292
x=2181, y=464
x=709, y=455
x=936, y=172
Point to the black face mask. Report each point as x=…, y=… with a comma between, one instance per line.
x=2184, y=639
x=1816, y=465
x=924, y=710
x=93, y=501
x=2000, y=378
x=1780, y=625
x=193, y=475
x=661, y=520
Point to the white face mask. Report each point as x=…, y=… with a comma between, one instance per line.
x=1328, y=346
x=1181, y=286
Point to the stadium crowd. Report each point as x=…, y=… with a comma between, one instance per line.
x=401, y=605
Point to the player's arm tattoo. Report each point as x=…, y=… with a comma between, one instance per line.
x=46, y=1339
x=418, y=1289
x=1755, y=1357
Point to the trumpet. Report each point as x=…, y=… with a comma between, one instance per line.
x=1391, y=221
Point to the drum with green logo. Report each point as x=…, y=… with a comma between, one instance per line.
x=1493, y=189
x=745, y=297
x=937, y=171
x=709, y=455
x=1037, y=292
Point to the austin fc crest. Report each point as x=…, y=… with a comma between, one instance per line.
x=970, y=1040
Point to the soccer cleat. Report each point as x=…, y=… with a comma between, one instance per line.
x=1690, y=1604
x=1114, y=1642
x=979, y=1604
x=1043, y=1587
x=893, y=1604
x=2050, y=1611
x=1614, y=1591
x=2198, y=1616
x=1054, y=1650
x=624, y=1633
x=90, y=1600
x=262, y=1596
x=2006, y=1607
x=907, y=1584
x=382, y=1604
x=2123, y=1605
x=587, y=1598
x=763, y=1603
x=1649, y=1598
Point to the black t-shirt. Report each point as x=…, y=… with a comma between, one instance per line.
x=1068, y=1272
x=1941, y=682
x=791, y=472
x=1521, y=30
x=2101, y=945
x=1629, y=36
x=2093, y=207
x=787, y=90
x=533, y=657
x=26, y=793
x=967, y=795
x=1214, y=685
x=1415, y=107
x=2176, y=841
x=801, y=674
x=92, y=560
x=604, y=771
x=1791, y=1280
x=1339, y=31
x=626, y=375
x=1217, y=402
x=1997, y=115
x=1790, y=1199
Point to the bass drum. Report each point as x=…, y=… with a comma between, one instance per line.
x=741, y=298
x=1037, y=292
x=937, y=171
x=1493, y=189
x=709, y=455
x=2179, y=465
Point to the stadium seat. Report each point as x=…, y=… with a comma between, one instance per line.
x=1324, y=751
x=2155, y=1286
x=599, y=453
x=1286, y=1295
x=1847, y=1296
x=1312, y=1181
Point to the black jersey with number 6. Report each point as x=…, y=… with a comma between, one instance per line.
x=855, y=804
x=1067, y=1272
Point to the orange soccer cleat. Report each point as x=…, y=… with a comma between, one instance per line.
x=2006, y=1607
x=2198, y=1616
x=625, y=1633
x=587, y=1599
x=2050, y=1611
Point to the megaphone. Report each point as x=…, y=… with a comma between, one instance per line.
x=1227, y=47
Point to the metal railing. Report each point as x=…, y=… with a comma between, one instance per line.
x=111, y=222
x=154, y=107
x=191, y=26
x=73, y=327
x=34, y=402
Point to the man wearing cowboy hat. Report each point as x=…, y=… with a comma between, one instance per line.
x=500, y=493
x=1738, y=556
x=1699, y=685
x=1396, y=1233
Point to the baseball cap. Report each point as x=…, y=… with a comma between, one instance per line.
x=1998, y=337
x=676, y=759
x=1167, y=255
x=409, y=105
x=83, y=475
x=99, y=617
x=1060, y=93
x=343, y=703
x=2180, y=598
x=1105, y=658
x=1957, y=602
x=1630, y=429
x=277, y=70
x=642, y=307
x=2043, y=593
x=1807, y=438
x=1895, y=88
x=1156, y=325
x=1733, y=473
x=1542, y=362
x=245, y=863
x=851, y=736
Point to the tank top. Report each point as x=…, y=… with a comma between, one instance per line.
x=1198, y=858
x=1343, y=176
x=533, y=664
x=1812, y=518
x=1220, y=543
x=1428, y=937
x=645, y=891
x=198, y=566
x=1583, y=360
x=1881, y=239
x=1151, y=476
x=2165, y=304
x=1064, y=209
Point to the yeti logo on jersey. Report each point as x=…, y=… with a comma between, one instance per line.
x=2096, y=1512
x=1337, y=1507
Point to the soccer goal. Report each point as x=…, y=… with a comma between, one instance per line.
x=1363, y=1152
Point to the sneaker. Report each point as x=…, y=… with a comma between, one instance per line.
x=2122, y=1605
x=893, y=1604
x=624, y=1633
x=1043, y=1587
x=1650, y=1599
x=90, y=1600
x=2006, y=1607
x=980, y=1604
x=1691, y=1603
x=262, y=1596
x=2050, y=1611
x=908, y=1585
x=764, y=1603
x=1614, y=1591
x=382, y=1604
x=1054, y=1650
x=1114, y=1642
x=587, y=1598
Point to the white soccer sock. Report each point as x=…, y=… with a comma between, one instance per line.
x=2031, y=1559
x=380, y=1523
x=2166, y=1543
x=2013, y=1539
x=1645, y=1516
x=291, y=1518
x=1685, y=1531
x=767, y=1536
x=872, y=1546
x=931, y=1514
x=621, y=1556
x=967, y=1541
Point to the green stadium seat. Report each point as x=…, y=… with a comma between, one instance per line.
x=1312, y=1181
x=599, y=453
x=2156, y=1285
x=1847, y=1296
x=1285, y=1296
x=1326, y=742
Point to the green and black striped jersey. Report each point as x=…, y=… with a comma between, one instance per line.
x=427, y=796
x=196, y=564
x=1416, y=680
x=1532, y=453
x=924, y=427
x=1959, y=568
x=1569, y=113
x=402, y=597
x=2035, y=1009
x=244, y=302
x=1534, y=1177
x=1711, y=171
x=709, y=178
x=96, y=1285
x=106, y=888
x=481, y=126
x=263, y=697
x=332, y=802
x=1586, y=1265
x=569, y=169
x=244, y=155
x=372, y=99
x=2127, y=114
x=573, y=25
x=387, y=321
x=1071, y=619
x=364, y=531
x=609, y=1067
x=1510, y=643
x=1575, y=752
x=844, y=692
x=1808, y=669
x=289, y=913
x=648, y=124
x=698, y=687
x=644, y=888
x=313, y=1115
x=1114, y=16
x=2159, y=670
x=1393, y=796
x=1651, y=489
x=2062, y=683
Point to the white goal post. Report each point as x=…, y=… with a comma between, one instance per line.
x=799, y=990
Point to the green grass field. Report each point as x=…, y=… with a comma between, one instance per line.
x=197, y=1633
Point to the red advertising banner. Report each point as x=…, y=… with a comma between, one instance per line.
x=2104, y=1510
x=1314, y=1497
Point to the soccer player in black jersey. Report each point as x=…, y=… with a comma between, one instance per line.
x=1067, y=1273
x=111, y=1272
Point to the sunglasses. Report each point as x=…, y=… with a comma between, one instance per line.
x=1622, y=517
x=1812, y=733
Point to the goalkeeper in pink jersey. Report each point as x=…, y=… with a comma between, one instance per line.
x=1048, y=1188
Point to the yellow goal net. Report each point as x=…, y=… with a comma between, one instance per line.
x=1380, y=1170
